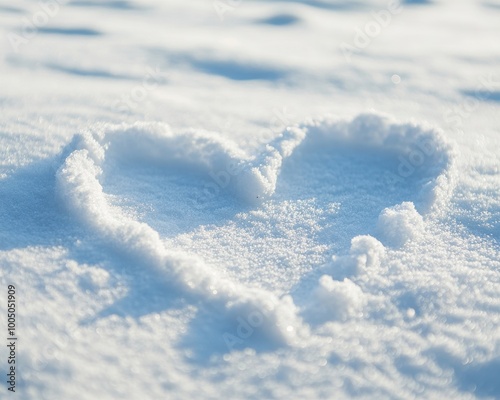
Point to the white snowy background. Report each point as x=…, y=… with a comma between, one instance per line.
x=251, y=199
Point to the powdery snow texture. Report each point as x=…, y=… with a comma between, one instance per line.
x=79, y=187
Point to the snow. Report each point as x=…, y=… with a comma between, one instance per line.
x=249, y=199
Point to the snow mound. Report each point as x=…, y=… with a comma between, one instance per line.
x=336, y=300
x=365, y=252
x=400, y=223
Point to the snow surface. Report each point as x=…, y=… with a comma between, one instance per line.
x=248, y=199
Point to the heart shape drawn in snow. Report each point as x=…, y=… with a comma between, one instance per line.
x=421, y=151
